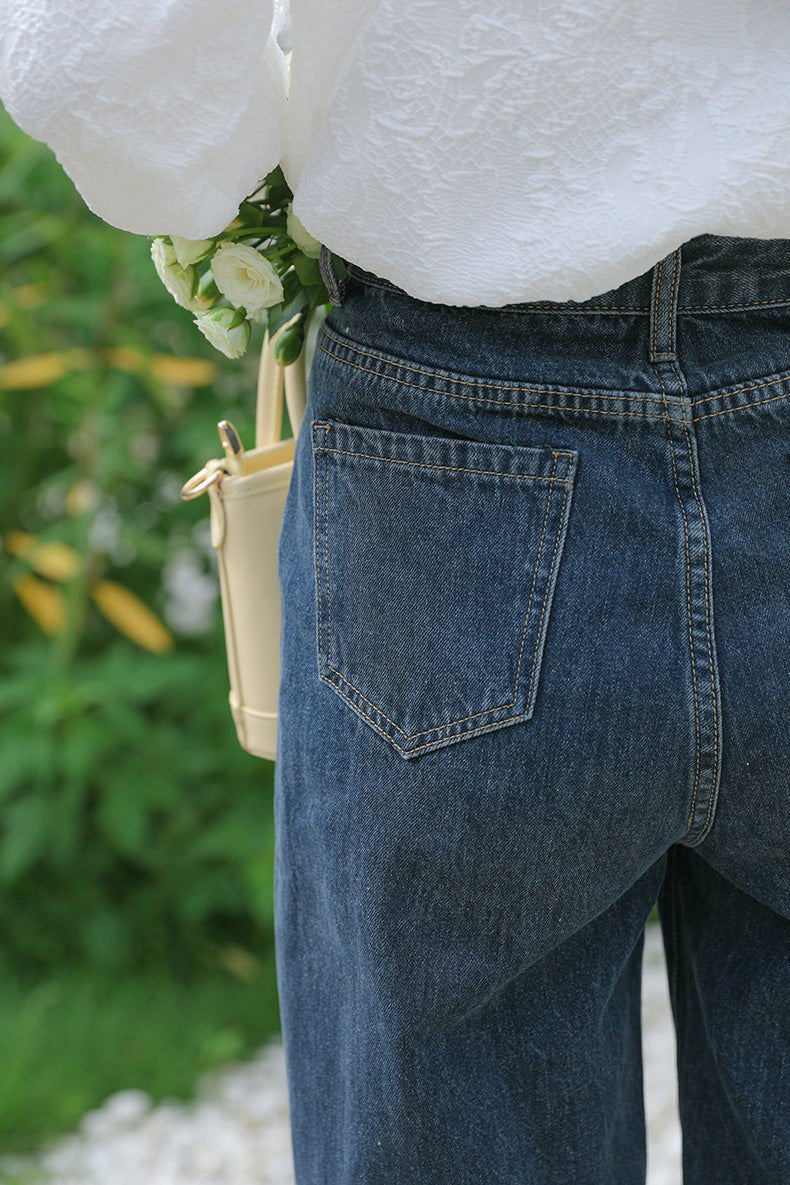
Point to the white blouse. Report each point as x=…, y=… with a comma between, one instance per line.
x=470, y=151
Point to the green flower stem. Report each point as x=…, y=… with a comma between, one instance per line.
x=261, y=232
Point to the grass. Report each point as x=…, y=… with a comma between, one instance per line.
x=70, y=1041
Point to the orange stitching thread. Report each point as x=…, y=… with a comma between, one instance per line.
x=465, y=382
x=688, y=606
x=454, y=468
x=672, y=311
x=752, y=403
x=574, y=310
x=570, y=309
x=740, y=390
x=751, y=304
x=707, y=616
x=526, y=306
x=501, y=402
x=563, y=307
x=546, y=594
x=474, y=715
x=472, y=732
x=552, y=406
x=511, y=386
x=317, y=519
x=654, y=304
x=531, y=591
x=326, y=550
x=412, y=735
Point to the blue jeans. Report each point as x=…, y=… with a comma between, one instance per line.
x=535, y=575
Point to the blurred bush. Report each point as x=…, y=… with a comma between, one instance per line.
x=133, y=829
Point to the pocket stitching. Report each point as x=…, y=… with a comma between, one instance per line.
x=455, y=468
x=441, y=728
x=470, y=732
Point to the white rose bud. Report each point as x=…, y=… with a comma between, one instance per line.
x=180, y=282
x=304, y=241
x=226, y=329
x=189, y=251
x=246, y=278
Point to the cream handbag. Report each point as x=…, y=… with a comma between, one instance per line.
x=247, y=490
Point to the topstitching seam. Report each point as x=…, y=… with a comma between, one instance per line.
x=632, y=398
x=465, y=382
x=453, y=468
x=577, y=308
x=706, y=545
x=672, y=294
x=654, y=308
x=688, y=606
x=488, y=711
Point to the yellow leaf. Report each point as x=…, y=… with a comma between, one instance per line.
x=43, y=602
x=183, y=372
x=39, y=370
x=129, y=615
x=239, y=963
x=29, y=296
x=56, y=560
x=168, y=368
x=125, y=358
x=26, y=296
x=19, y=542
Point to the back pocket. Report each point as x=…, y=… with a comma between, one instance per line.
x=436, y=562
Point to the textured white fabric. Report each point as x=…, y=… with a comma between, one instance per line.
x=471, y=152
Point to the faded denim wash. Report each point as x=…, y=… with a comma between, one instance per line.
x=535, y=575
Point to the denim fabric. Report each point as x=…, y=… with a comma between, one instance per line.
x=535, y=575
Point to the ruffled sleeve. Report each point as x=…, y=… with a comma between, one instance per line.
x=165, y=113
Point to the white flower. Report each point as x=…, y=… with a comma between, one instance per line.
x=304, y=241
x=246, y=278
x=190, y=251
x=226, y=329
x=180, y=282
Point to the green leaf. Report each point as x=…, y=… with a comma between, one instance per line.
x=122, y=816
x=105, y=939
x=282, y=313
x=24, y=836
x=258, y=873
x=307, y=269
x=85, y=745
x=19, y=766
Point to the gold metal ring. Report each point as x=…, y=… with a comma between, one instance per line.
x=201, y=482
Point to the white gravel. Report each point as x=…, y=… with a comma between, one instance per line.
x=235, y=1132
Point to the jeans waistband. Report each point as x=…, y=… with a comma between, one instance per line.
x=713, y=272
x=718, y=308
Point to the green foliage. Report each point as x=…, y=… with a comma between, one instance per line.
x=133, y=829
x=70, y=1040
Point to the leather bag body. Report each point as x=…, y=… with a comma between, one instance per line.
x=247, y=490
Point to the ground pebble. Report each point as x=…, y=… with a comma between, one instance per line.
x=236, y=1129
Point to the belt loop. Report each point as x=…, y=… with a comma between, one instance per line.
x=336, y=280
x=663, y=308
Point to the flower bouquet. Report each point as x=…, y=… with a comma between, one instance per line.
x=262, y=268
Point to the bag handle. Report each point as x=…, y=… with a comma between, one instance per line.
x=274, y=381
